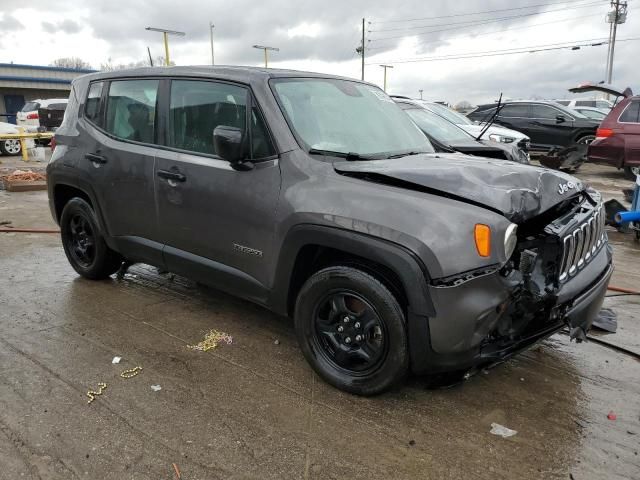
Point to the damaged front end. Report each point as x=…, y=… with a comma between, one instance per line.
x=556, y=277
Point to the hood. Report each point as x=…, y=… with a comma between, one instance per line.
x=493, y=130
x=519, y=192
x=604, y=88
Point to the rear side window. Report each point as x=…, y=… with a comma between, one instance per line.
x=198, y=107
x=92, y=105
x=515, y=111
x=631, y=114
x=131, y=109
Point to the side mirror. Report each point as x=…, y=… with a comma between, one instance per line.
x=560, y=119
x=228, y=143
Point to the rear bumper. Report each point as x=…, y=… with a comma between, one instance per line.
x=460, y=334
x=609, y=151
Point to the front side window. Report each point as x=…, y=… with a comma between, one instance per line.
x=515, y=110
x=342, y=116
x=631, y=114
x=92, y=105
x=542, y=111
x=131, y=109
x=198, y=107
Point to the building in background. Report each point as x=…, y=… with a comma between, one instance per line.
x=22, y=83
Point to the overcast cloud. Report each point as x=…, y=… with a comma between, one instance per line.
x=323, y=35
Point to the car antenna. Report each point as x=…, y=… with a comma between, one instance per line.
x=493, y=117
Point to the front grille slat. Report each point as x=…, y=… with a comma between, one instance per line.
x=581, y=245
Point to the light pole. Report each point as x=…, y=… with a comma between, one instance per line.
x=211, y=26
x=165, y=34
x=385, y=75
x=616, y=17
x=420, y=94
x=266, y=58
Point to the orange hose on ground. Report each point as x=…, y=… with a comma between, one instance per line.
x=622, y=290
x=28, y=230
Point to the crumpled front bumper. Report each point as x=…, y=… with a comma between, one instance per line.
x=467, y=313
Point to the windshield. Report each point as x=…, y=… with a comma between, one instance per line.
x=453, y=117
x=347, y=117
x=440, y=129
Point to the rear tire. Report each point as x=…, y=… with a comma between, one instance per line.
x=11, y=147
x=83, y=242
x=630, y=173
x=352, y=331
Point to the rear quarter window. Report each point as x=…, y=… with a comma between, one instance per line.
x=92, y=104
x=631, y=114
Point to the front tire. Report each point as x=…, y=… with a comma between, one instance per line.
x=11, y=147
x=352, y=331
x=83, y=242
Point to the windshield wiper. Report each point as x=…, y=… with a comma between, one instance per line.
x=491, y=120
x=346, y=155
x=405, y=154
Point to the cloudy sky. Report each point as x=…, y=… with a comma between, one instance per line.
x=322, y=36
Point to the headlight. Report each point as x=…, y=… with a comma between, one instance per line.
x=500, y=139
x=510, y=240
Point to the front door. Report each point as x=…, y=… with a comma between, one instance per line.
x=217, y=222
x=553, y=127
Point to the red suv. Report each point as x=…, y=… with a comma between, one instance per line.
x=617, y=140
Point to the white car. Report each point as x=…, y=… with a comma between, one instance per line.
x=575, y=103
x=494, y=132
x=28, y=117
x=12, y=146
x=591, y=112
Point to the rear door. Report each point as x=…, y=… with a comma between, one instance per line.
x=629, y=121
x=217, y=222
x=118, y=159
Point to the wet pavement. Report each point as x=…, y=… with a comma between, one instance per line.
x=254, y=409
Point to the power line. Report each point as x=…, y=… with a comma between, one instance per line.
x=529, y=49
x=478, y=13
x=519, y=27
x=477, y=23
x=415, y=27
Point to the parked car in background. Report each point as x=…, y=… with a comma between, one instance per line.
x=617, y=140
x=548, y=124
x=12, y=146
x=575, y=103
x=449, y=137
x=29, y=117
x=592, y=113
x=494, y=132
x=318, y=198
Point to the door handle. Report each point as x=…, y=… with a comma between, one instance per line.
x=95, y=158
x=168, y=175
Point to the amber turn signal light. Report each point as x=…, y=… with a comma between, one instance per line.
x=482, y=234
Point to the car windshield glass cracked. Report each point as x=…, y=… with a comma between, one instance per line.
x=347, y=117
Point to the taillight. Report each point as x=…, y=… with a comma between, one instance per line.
x=53, y=144
x=32, y=116
x=604, y=133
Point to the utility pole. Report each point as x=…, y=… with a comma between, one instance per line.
x=266, y=57
x=211, y=25
x=385, y=75
x=420, y=93
x=360, y=50
x=165, y=35
x=615, y=17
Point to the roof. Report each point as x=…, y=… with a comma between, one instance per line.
x=238, y=73
x=45, y=67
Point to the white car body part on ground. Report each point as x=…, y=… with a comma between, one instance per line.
x=12, y=146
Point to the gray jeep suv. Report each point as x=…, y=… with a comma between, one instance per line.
x=317, y=197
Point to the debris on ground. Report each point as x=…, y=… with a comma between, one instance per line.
x=116, y=360
x=502, y=431
x=612, y=416
x=132, y=372
x=276, y=342
x=24, y=176
x=156, y=388
x=92, y=394
x=212, y=340
x=5, y=222
x=177, y=470
x=606, y=320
